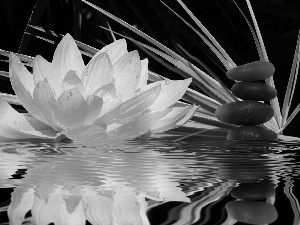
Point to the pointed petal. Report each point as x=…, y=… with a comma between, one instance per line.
x=127, y=74
x=108, y=94
x=144, y=73
x=72, y=109
x=18, y=70
x=85, y=133
x=15, y=125
x=23, y=85
x=71, y=81
x=178, y=116
x=46, y=103
x=171, y=92
x=114, y=50
x=135, y=127
x=67, y=57
x=43, y=69
x=95, y=104
x=130, y=108
x=98, y=73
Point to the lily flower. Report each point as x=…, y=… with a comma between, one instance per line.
x=109, y=98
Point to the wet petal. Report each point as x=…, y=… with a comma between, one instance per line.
x=43, y=69
x=95, y=104
x=67, y=57
x=23, y=85
x=127, y=75
x=72, y=109
x=15, y=125
x=18, y=70
x=45, y=101
x=144, y=73
x=98, y=73
x=178, y=116
x=85, y=133
x=108, y=94
x=135, y=127
x=71, y=81
x=171, y=92
x=130, y=108
x=114, y=50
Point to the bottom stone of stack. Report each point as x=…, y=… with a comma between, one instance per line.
x=251, y=133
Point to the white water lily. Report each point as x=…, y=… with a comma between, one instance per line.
x=109, y=98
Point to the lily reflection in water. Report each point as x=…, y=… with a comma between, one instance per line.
x=130, y=182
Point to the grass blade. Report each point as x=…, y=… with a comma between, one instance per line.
x=291, y=84
x=294, y=113
x=205, y=40
x=270, y=81
x=207, y=33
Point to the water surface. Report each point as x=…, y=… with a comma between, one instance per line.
x=172, y=178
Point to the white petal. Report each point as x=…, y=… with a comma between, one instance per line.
x=95, y=104
x=23, y=85
x=67, y=57
x=135, y=127
x=127, y=75
x=71, y=81
x=15, y=125
x=144, y=73
x=178, y=116
x=108, y=94
x=114, y=50
x=43, y=69
x=171, y=92
x=85, y=133
x=98, y=73
x=45, y=101
x=18, y=70
x=130, y=108
x=72, y=109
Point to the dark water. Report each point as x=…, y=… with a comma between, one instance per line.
x=170, y=179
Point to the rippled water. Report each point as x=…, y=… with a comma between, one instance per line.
x=170, y=179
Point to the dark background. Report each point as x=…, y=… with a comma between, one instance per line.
x=279, y=22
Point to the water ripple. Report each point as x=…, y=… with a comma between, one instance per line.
x=175, y=166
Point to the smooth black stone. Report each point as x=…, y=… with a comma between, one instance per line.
x=254, y=91
x=251, y=212
x=253, y=191
x=251, y=133
x=244, y=113
x=255, y=71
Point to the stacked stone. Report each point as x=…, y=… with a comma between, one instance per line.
x=249, y=113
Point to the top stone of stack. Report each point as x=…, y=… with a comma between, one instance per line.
x=254, y=71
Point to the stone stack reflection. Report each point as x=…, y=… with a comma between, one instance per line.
x=250, y=206
x=250, y=113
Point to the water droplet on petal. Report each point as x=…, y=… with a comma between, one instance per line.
x=167, y=82
x=17, y=124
